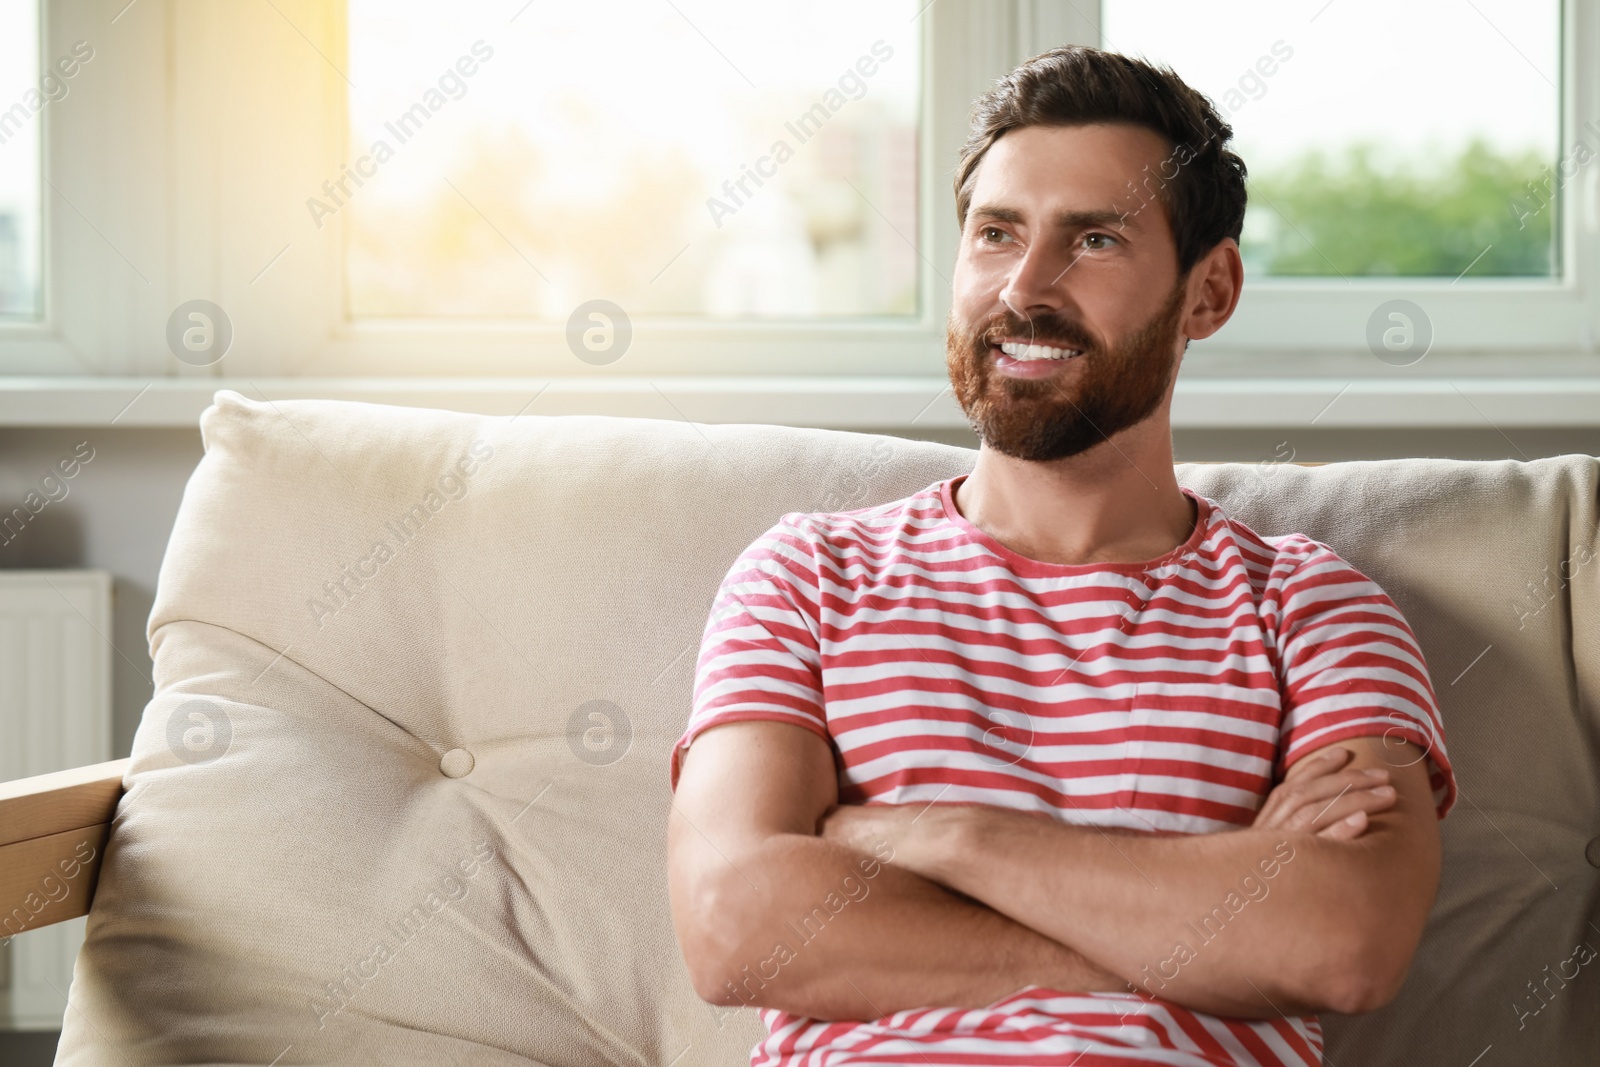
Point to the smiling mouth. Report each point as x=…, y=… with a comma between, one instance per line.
x=1018, y=352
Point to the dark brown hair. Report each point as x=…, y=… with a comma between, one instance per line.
x=1201, y=183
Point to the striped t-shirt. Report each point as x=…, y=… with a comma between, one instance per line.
x=1167, y=696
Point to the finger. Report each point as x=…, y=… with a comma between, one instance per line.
x=1346, y=829
x=1327, y=761
x=1313, y=770
x=1366, y=801
x=1314, y=791
x=1325, y=787
x=1316, y=813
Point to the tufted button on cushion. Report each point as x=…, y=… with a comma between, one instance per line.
x=1592, y=853
x=457, y=763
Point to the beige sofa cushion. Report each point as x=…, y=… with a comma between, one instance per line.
x=401, y=795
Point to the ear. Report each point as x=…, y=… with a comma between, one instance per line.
x=1214, y=286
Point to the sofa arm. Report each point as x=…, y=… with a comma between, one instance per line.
x=53, y=830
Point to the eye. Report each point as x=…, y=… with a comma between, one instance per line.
x=993, y=235
x=1098, y=236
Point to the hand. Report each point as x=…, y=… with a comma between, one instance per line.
x=882, y=830
x=1320, y=795
x=909, y=835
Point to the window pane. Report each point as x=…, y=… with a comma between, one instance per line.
x=21, y=99
x=1416, y=139
x=698, y=158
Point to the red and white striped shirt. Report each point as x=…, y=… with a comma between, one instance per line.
x=1166, y=696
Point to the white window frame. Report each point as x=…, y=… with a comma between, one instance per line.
x=205, y=134
x=1544, y=321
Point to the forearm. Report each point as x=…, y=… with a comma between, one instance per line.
x=1195, y=919
x=819, y=929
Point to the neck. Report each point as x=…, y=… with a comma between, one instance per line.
x=1117, y=502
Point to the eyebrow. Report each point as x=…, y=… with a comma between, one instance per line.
x=1066, y=220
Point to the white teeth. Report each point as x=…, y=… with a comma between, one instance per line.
x=1025, y=352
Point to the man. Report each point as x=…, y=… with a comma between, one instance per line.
x=1056, y=762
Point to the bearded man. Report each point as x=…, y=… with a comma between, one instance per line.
x=1056, y=762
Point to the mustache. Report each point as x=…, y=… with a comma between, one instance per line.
x=1052, y=330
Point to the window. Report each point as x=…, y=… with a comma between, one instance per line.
x=544, y=157
x=1435, y=162
x=671, y=157
x=22, y=96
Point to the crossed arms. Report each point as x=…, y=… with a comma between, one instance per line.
x=781, y=898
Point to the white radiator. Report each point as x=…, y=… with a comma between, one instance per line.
x=55, y=713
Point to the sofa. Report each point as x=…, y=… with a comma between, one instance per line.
x=401, y=792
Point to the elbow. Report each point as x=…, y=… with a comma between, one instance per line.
x=727, y=970
x=705, y=978
x=725, y=979
x=1357, y=994
x=705, y=966
x=1366, y=974
x=1369, y=946
x=710, y=939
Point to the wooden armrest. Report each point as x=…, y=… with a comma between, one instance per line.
x=53, y=830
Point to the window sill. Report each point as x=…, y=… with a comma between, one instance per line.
x=879, y=403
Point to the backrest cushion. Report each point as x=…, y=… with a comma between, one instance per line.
x=401, y=794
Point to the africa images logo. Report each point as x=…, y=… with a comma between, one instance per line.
x=851, y=85
x=451, y=85
x=342, y=590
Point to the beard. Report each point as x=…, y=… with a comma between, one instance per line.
x=1041, y=419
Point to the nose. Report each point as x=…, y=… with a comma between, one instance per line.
x=1035, y=285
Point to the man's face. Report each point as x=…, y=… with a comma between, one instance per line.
x=1059, y=250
